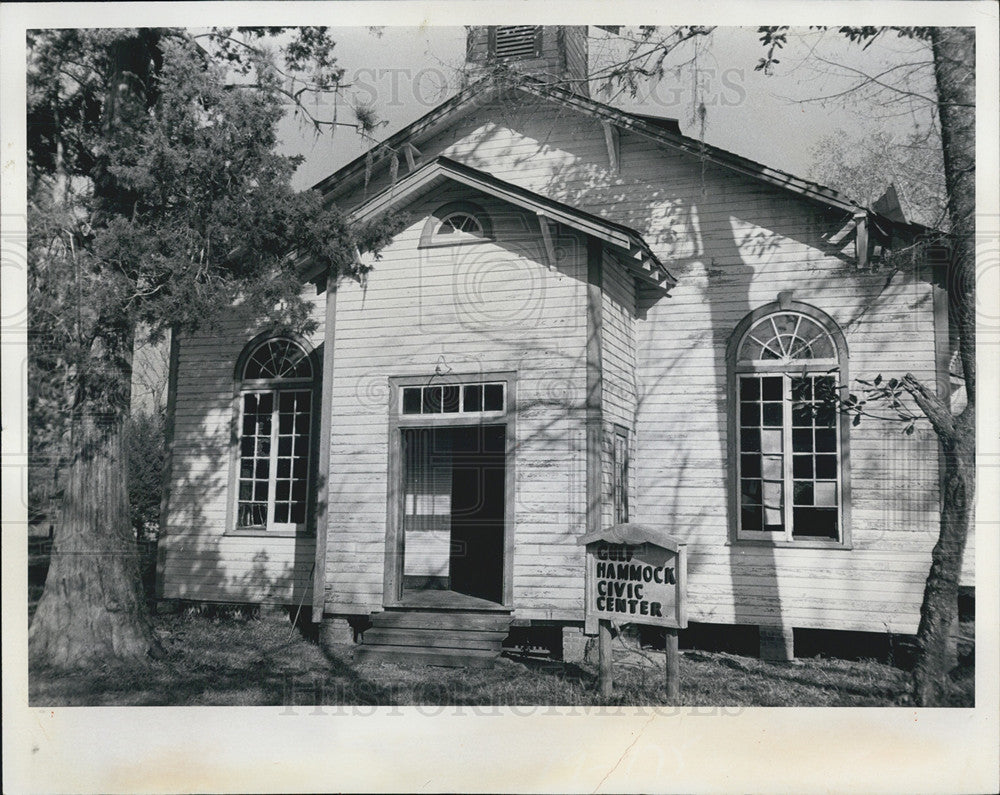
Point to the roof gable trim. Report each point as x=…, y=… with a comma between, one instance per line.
x=647, y=265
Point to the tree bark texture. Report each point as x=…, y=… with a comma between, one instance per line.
x=939, y=610
x=93, y=607
x=954, y=67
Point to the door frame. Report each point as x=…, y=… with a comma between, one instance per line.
x=392, y=595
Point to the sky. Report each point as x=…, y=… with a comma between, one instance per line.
x=403, y=73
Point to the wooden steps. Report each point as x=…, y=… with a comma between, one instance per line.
x=456, y=638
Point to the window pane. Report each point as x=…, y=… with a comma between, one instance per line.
x=826, y=466
x=802, y=466
x=281, y=512
x=773, y=522
x=493, y=397
x=826, y=440
x=803, y=493
x=802, y=441
x=749, y=389
x=285, y=422
x=472, y=398
x=770, y=440
x=284, y=467
x=750, y=414
x=750, y=440
x=773, y=414
x=450, y=399
x=751, y=491
x=826, y=493
x=772, y=389
x=802, y=415
x=772, y=467
x=750, y=466
x=822, y=348
x=252, y=514
x=773, y=494
x=411, y=400
x=802, y=389
x=286, y=402
x=432, y=400
x=750, y=518
x=815, y=523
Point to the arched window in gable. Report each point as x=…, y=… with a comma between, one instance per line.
x=456, y=223
x=790, y=444
x=275, y=385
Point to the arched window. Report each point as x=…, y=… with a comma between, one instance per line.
x=456, y=223
x=785, y=361
x=275, y=378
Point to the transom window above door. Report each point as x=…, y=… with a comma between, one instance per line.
x=465, y=398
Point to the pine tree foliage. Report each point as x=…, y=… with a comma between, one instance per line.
x=156, y=197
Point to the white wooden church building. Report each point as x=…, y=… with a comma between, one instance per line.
x=590, y=318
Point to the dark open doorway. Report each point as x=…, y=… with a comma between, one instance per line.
x=454, y=497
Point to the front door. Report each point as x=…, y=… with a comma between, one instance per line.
x=453, y=514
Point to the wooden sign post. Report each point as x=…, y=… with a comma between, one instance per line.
x=636, y=574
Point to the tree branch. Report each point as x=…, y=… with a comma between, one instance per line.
x=936, y=411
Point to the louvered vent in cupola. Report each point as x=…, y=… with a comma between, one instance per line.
x=517, y=41
x=556, y=55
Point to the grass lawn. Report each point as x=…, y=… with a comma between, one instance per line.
x=236, y=660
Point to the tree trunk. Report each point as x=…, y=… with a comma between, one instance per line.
x=954, y=68
x=939, y=610
x=93, y=607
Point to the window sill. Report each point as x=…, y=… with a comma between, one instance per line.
x=253, y=533
x=784, y=544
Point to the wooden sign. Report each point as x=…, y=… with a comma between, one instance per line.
x=636, y=574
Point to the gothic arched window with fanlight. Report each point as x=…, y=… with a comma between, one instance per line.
x=786, y=363
x=275, y=385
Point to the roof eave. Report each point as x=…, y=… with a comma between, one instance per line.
x=627, y=240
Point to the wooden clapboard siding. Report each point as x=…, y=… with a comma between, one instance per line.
x=488, y=307
x=734, y=243
x=201, y=559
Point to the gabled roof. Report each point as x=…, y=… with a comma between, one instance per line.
x=634, y=252
x=663, y=131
